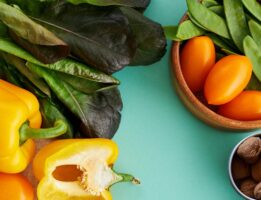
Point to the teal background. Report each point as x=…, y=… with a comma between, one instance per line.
x=176, y=156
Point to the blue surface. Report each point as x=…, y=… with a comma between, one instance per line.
x=175, y=155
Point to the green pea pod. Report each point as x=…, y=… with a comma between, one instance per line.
x=236, y=21
x=209, y=3
x=208, y=18
x=171, y=32
x=195, y=21
x=219, y=10
x=255, y=29
x=253, y=7
x=222, y=43
x=187, y=30
x=253, y=52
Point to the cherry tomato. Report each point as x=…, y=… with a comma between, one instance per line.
x=15, y=187
x=246, y=106
x=227, y=79
x=197, y=58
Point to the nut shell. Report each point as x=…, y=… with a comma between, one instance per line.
x=250, y=149
x=240, y=169
x=257, y=191
x=247, y=187
x=256, y=171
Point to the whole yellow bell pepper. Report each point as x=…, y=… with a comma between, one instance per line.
x=77, y=169
x=20, y=121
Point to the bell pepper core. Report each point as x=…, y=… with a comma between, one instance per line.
x=77, y=169
x=20, y=121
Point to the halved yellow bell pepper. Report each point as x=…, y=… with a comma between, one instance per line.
x=77, y=169
x=20, y=120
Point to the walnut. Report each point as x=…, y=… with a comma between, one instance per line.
x=257, y=191
x=250, y=149
x=247, y=187
x=240, y=169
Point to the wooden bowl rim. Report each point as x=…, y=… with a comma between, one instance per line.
x=213, y=116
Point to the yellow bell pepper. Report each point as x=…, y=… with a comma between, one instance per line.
x=20, y=121
x=77, y=169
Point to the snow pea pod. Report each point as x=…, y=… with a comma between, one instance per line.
x=236, y=21
x=255, y=29
x=253, y=7
x=187, y=30
x=253, y=52
x=220, y=42
x=208, y=3
x=208, y=18
x=219, y=10
x=195, y=21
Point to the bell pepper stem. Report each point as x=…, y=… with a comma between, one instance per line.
x=26, y=132
x=126, y=178
x=129, y=178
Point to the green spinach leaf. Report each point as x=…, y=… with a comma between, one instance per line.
x=128, y=3
x=99, y=113
x=149, y=35
x=100, y=36
x=67, y=66
x=32, y=36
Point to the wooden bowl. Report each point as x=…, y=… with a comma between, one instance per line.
x=197, y=107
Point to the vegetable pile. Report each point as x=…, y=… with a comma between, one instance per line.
x=223, y=48
x=65, y=51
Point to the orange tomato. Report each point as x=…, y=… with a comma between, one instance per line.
x=15, y=187
x=227, y=79
x=197, y=58
x=246, y=106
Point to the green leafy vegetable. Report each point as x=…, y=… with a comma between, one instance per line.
x=19, y=64
x=68, y=66
x=100, y=36
x=208, y=19
x=33, y=35
x=129, y=3
x=219, y=10
x=99, y=113
x=149, y=36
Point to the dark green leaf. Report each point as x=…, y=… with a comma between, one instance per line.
x=149, y=35
x=51, y=113
x=99, y=113
x=68, y=66
x=128, y=3
x=32, y=35
x=32, y=7
x=19, y=64
x=100, y=36
x=84, y=85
